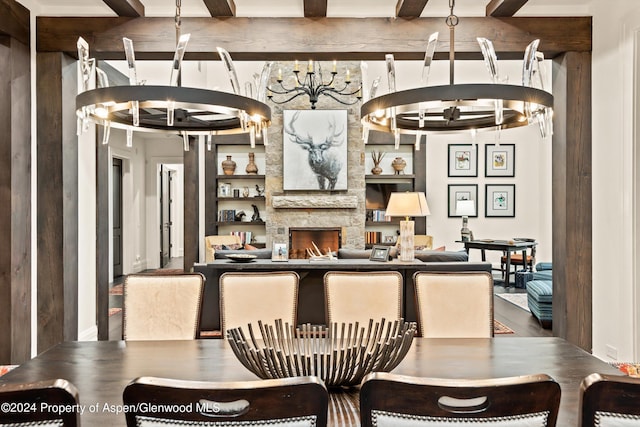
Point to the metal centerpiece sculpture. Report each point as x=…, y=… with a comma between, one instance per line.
x=341, y=354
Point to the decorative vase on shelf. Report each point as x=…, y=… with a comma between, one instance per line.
x=228, y=166
x=398, y=165
x=377, y=158
x=252, y=168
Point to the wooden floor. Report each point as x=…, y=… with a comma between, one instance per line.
x=520, y=321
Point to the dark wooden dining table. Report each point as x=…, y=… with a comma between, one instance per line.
x=504, y=246
x=101, y=369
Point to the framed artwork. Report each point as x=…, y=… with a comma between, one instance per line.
x=463, y=160
x=500, y=160
x=380, y=253
x=280, y=252
x=500, y=200
x=314, y=150
x=462, y=192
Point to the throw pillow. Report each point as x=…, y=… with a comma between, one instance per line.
x=248, y=247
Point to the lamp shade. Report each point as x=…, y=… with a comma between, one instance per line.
x=407, y=204
x=465, y=208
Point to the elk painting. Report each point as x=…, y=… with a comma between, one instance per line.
x=315, y=150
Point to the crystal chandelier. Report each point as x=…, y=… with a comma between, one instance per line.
x=457, y=107
x=169, y=109
x=314, y=84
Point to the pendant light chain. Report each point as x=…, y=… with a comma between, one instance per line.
x=452, y=21
x=178, y=19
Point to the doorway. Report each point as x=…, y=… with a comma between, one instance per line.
x=116, y=204
x=165, y=215
x=170, y=192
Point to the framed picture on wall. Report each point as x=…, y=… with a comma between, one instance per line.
x=314, y=150
x=463, y=160
x=459, y=192
x=500, y=160
x=500, y=200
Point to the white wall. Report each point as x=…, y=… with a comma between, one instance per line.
x=134, y=249
x=616, y=332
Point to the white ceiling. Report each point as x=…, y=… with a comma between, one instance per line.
x=294, y=8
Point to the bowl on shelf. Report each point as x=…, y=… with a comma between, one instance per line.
x=341, y=354
x=241, y=257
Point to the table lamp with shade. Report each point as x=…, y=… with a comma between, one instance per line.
x=465, y=208
x=407, y=204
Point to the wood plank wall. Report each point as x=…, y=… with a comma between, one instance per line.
x=571, y=183
x=15, y=200
x=191, y=204
x=57, y=233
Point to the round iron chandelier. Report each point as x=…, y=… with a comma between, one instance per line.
x=169, y=109
x=458, y=107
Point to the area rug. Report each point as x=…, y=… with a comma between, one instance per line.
x=631, y=369
x=516, y=299
x=6, y=368
x=500, y=328
x=116, y=290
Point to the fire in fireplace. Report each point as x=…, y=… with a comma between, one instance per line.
x=303, y=238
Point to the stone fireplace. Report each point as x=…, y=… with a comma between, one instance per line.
x=325, y=238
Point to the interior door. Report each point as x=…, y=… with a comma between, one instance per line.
x=117, y=216
x=165, y=216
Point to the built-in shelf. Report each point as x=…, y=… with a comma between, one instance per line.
x=390, y=176
x=395, y=222
x=239, y=223
x=245, y=176
x=226, y=207
x=241, y=199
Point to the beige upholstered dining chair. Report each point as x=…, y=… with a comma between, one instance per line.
x=360, y=296
x=287, y=402
x=454, y=305
x=27, y=404
x=609, y=400
x=210, y=243
x=246, y=297
x=402, y=401
x=162, y=306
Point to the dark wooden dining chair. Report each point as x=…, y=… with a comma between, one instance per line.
x=297, y=401
x=38, y=404
x=609, y=400
x=162, y=306
x=391, y=399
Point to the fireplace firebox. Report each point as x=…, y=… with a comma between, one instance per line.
x=303, y=238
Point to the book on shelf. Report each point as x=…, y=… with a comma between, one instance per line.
x=227, y=215
x=245, y=236
x=378, y=215
x=372, y=237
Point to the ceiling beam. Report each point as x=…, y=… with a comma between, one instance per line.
x=315, y=8
x=130, y=8
x=15, y=21
x=410, y=8
x=319, y=38
x=221, y=8
x=504, y=8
